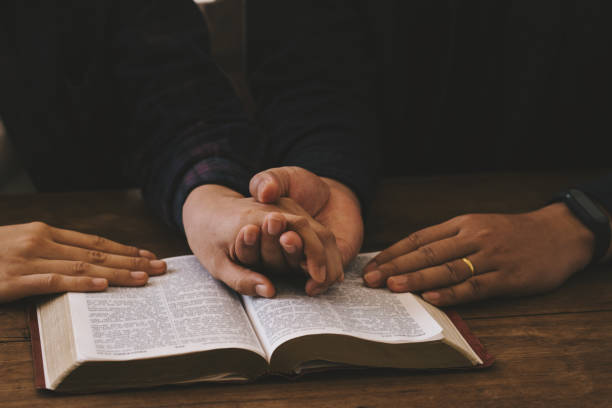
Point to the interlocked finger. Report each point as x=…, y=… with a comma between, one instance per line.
x=314, y=248
x=246, y=246
x=335, y=272
x=274, y=224
x=293, y=248
x=333, y=267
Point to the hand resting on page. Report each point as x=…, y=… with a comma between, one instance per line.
x=36, y=259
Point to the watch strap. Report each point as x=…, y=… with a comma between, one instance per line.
x=591, y=216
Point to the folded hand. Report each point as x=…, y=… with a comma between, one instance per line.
x=223, y=231
x=329, y=202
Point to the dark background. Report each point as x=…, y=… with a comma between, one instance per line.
x=466, y=85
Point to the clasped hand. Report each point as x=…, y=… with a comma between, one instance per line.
x=294, y=221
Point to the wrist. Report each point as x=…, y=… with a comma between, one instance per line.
x=203, y=197
x=591, y=215
x=342, y=189
x=578, y=240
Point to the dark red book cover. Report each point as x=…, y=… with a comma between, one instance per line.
x=487, y=359
x=37, y=360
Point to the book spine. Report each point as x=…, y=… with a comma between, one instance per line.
x=472, y=340
x=37, y=359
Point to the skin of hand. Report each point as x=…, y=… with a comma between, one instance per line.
x=330, y=202
x=37, y=259
x=512, y=255
x=214, y=216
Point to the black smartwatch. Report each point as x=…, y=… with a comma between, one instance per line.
x=591, y=216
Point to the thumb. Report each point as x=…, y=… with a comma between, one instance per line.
x=270, y=185
x=304, y=187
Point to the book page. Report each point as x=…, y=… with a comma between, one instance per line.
x=182, y=311
x=348, y=308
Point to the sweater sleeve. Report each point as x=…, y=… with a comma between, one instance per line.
x=186, y=126
x=311, y=75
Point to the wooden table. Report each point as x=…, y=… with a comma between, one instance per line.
x=551, y=350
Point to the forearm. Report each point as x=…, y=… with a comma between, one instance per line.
x=186, y=126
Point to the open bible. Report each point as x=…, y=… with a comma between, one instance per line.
x=185, y=326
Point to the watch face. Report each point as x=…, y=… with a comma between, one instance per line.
x=589, y=206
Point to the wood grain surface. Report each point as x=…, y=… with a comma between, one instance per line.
x=551, y=350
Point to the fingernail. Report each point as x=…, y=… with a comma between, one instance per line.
x=99, y=282
x=371, y=266
x=274, y=226
x=431, y=296
x=250, y=237
x=322, y=273
x=139, y=275
x=157, y=264
x=373, y=278
x=261, y=184
x=261, y=290
x=146, y=254
x=400, y=283
x=289, y=248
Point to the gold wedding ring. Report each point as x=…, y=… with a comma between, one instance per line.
x=470, y=265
